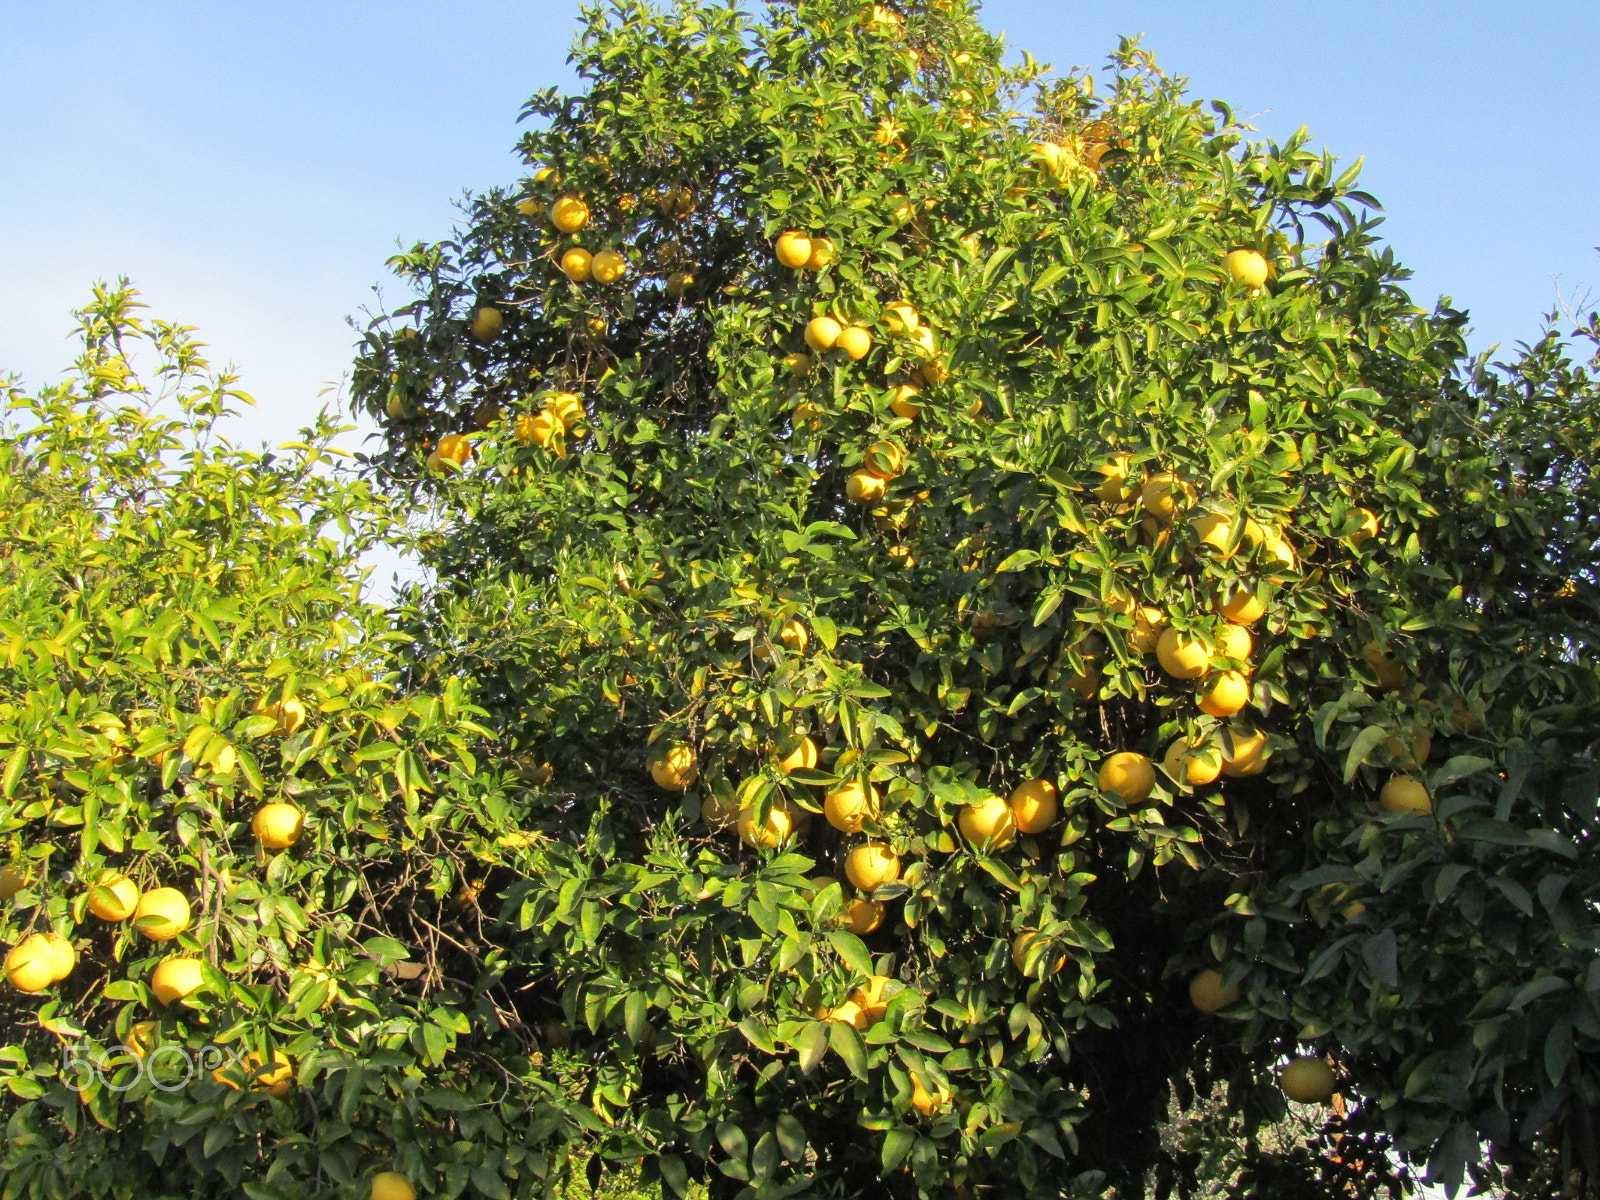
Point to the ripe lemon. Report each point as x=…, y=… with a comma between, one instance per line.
x=289, y=714
x=902, y=405
x=1114, y=486
x=989, y=824
x=1242, y=607
x=802, y=758
x=486, y=324
x=1195, y=763
x=1160, y=496
x=12, y=881
x=846, y=808
x=1148, y=622
x=870, y=866
x=1213, y=529
x=1405, y=794
x=1207, y=993
x=277, y=826
x=777, y=828
x=538, y=429
x=675, y=768
x=885, y=459
x=718, y=812
x=1279, y=551
x=854, y=342
x=608, y=266
x=566, y=407
x=865, y=488
x=577, y=264
x=1225, y=695
x=1234, y=641
x=1128, y=775
x=1019, y=955
x=528, y=208
x=391, y=1185
x=873, y=998
x=274, y=1079
x=1033, y=805
x=794, y=636
x=176, y=979
x=793, y=249
x=435, y=464
x=161, y=914
x=679, y=282
x=925, y=1102
x=545, y=175
x=850, y=1013
x=1250, y=753
x=822, y=334
x=901, y=317
x=862, y=916
x=1182, y=655
x=1408, y=756
x=1307, y=1081
x=454, y=448
x=31, y=964
x=1246, y=267
x=113, y=896
x=62, y=955
x=569, y=214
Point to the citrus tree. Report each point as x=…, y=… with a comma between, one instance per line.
x=225, y=825
x=1015, y=622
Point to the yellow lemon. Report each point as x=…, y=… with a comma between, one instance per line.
x=391, y=1185
x=277, y=826
x=675, y=768
x=885, y=460
x=802, y=758
x=797, y=364
x=1242, y=607
x=176, y=979
x=1114, y=486
x=862, y=916
x=63, y=956
x=716, y=812
x=454, y=447
x=1213, y=529
x=989, y=824
x=161, y=914
x=486, y=324
x=1246, y=267
x=1148, y=622
x=851, y=1014
x=870, y=866
x=865, y=488
x=1182, y=655
x=1128, y=775
x=1405, y=794
x=679, y=282
x=775, y=829
x=1160, y=496
x=566, y=407
x=823, y=252
x=1225, y=695
x=822, y=334
x=901, y=317
x=793, y=249
x=1195, y=763
x=1307, y=1081
x=577, y=264
x=113, y=896
x=538, y=429
x=1020, y=946
x=1033, y=805
x=1391, y=672
x=1207, y=993
x=846, y=808
x=608, y=266
x=31, y=964
x=925, y=1102
x=1250, y=753
x=12, y=881
x=569, y=214
x=903, y=403
x=1234, y=641
x=854, y=342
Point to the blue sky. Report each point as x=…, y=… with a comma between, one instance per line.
x=251, y=166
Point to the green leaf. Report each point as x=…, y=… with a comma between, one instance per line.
x=897, y=1145
x=852, y=950
x=847, y=1044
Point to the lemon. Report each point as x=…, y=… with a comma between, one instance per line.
x=925, y=1102
x=802, y=758
x=391, y=1185
x=30, y=966
x=774, y=830
x=277, y=826
x=1307, y=1081
x=854, y=342
x=797, y=364
x=989, y=824
x=1182, y=655
x=1242, y=607
x=1225, y=695
x=1207, y=993
x=902, y=405
x=161, y=914
x=1160, y=496
x=675, y=768
x=569, y=214
x=870, y=866
x=577, y=264
x=793, y=249
x=1234, y=641
x=538, y=429
x=865, y=488
x=12, y=881
x=1405, y=794
x=1212, y=529
x=1033, y=805
x=1195, y=763
x=901, y=317
x=823, y=252
x=885, y=460
x=1246, y=267
x=862, y=916
x=1148, y=622
x=850, y=805
x=822, y=334
x=454, y=448
x=1250, y=753
x=486, y=324
x=608, y=266
x=113, y=896
x=176, y=979
x=1128, y=775
x=1113, y=486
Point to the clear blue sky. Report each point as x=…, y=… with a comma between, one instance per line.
x=251, y=165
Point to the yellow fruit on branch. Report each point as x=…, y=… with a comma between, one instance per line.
x=1022, y=944
x=850, y=805
x=1367, y=527
x=63, y=956
x=566, y=407
x=31, y=964
x=1234, y=641
x=278, y=825
x=1307, y=1080
x=1129, y=775
x=1148, y=622
x=1214, y=529
x=1114, y=486
x=577, y=264
x=775, y=830
x=1246, y=267
x=868, y=867
x=274, y=1079
x=1242, y=607
x=873, y=998
x=113, y=897
x=678, y=283
x=988, y=824
x=862, y=916
x=675, y=767
x=538, y=429
x=793, y=249
x=854, y=342
x=793, y=635
x=12, y=881
x=391, y=1185
x=486, y=324
x=289, y=715
x=823, y=252
x=865, y=488
x=1225, y=694
x=1391, y=672
x=162, y=914
x=1250, y=753
x=141, y=1038
x=1207, y=993
x=850, y=1013
x=797, y=364
x=1405, y=794
x=608, y=266
x=717, y=812
x=901, y=317
x=885, y=459
x=928, y=1103
x=802, y=758
x=1162, y=495
x=902, y=405
x=822, y=334
x=1195, y=763
x=177, y=979
x=1182, y=655
x=569, y=214
x=454, y=448
x=1033, y=805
